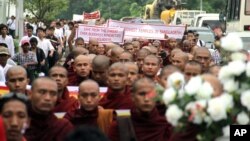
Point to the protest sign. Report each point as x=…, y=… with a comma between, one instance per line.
x=102, y=34
x=149, y=31
x=93, y=15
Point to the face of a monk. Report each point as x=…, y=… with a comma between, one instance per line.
x=60, y=76
x=191, y=71
x=117, y=78
x=136, y=45
x=143, y=97
x=82, y=67
x=125, y=57
x=130, y=49
x=203, y=57
x=172, y=43
x=150, y=66
x=99, y=74
x=178, y=61
x=92, y=46
x=15, y=119
x=132, y=74
x=44, y=96
x=163, y=79
x=89, y=96
x=17, y=81
x=100, y=50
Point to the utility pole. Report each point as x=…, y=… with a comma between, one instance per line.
x=19, y=18
x=201, y=3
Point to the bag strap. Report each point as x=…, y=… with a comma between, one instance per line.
x=125, y=126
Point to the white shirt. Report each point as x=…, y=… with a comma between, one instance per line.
x=67, y=34
x=45, y=45
x=11, y=24
x=59, y=33
x=6, y=68
x=2, y=76
x=10, y=43
x=27, y=38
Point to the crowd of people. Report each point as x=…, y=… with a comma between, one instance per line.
x=135, y=74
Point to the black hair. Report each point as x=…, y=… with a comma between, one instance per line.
x=4, y=45
x=86, y=133
x=30, y=27
x=40, y=28
x=3, y=26
x=33, y=40
x=14, y=96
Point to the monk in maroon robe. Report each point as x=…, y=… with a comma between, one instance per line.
x=147, y=124
x=82, y=67
x=44, y=125
x=64, y=102
x=117, y=96
x=89, y=113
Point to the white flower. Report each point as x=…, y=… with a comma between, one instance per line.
x=169, y=95
x=217, y=109
x=232, y=42
x=226, y=131
x=238, y=56
x=245, y=99
x=248, y=69
x=181, y=93
x=242, y=118
x=230, y=85
x=237, y=67
x=225, y=73
x=228, y=100
x=176, y=80
x=173, y=114
x=205, y=91
x=208, y=120
x=193, y=85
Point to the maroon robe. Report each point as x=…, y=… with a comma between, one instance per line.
x=112, y=100
x=66, y=103
x=80, y=117
x=75, y=80
x=147, y=127
x=47, y=128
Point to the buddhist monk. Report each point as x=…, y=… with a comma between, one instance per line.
x=203, y=56
x=64, y=102
x=126, y=57
x=82, y=69
x=100, y=65
x=93, y=44
x=151, y=66
x=129, y=48
x=118, y=95
x=14, y=112
x=142, y=53
x=89, y=113
x=136, y=45
x=147, y=124
x=133, y=73
x=191, y=69
x=115, y=53
x=44, y=125
x=17, y=80
x=179, y=60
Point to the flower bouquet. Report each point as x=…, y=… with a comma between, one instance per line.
x=194, y=105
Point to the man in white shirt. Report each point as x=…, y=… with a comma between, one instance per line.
x=45, y=45
x=28, y=36
x=12, y=26
x=8, y=40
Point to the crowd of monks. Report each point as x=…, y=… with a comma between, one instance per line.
x=135, y=75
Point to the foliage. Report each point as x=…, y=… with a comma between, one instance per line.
x=46, y=10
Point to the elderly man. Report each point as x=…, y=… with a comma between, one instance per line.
x=14, y=111
x=151, y=66
x=203, y=56
x=191, y=69
x=64, y=102
x=44, y=125
x=179, y=60
x=147, y=124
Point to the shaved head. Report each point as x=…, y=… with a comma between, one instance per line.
x=89, y=82
x=14, y=69
x=82, y=57
x=118, y=65
x=101, y=61
x=79, y=50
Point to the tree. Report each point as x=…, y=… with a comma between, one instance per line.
x=46, y=10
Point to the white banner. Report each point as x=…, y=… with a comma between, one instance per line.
x=77, y=17
x=149, y=31
x=103, y=34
